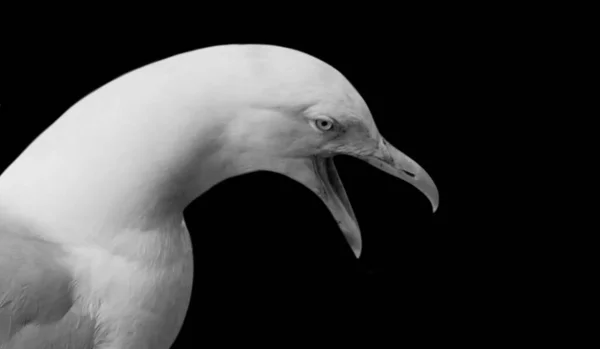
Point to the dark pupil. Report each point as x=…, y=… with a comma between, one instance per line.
x=324, y=123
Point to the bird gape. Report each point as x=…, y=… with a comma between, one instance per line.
x=97, y=199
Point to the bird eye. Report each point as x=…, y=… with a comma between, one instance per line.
x=324, y=125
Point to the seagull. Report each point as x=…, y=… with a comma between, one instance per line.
x=94, y=249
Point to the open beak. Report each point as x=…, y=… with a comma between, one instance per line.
x=386, y=158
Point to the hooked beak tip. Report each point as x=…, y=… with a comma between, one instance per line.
x=425, y=184
x=391, y=160
x=428, y=187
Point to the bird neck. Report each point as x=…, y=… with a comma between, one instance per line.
x=112, y=163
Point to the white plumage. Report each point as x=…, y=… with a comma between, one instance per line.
x=94, y=251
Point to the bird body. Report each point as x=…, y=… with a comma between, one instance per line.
x=94, y=251
x=85, y=296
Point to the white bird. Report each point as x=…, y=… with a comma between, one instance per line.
x=94, y=251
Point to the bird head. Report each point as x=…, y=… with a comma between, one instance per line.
x=145, y=145
x=299, y=113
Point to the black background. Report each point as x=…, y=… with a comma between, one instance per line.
x=269, y=258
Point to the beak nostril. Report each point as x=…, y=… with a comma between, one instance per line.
x=409, y=173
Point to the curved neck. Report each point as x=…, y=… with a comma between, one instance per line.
x=111, y=162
